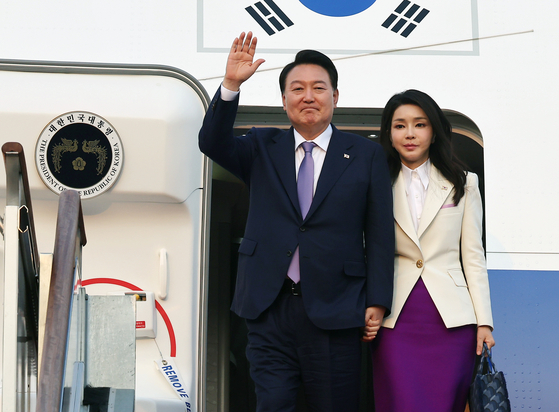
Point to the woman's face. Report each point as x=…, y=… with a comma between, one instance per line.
x=411, y=134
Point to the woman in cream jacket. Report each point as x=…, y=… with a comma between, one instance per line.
x=424, y=353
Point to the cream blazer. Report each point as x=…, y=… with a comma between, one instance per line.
x=461, y=294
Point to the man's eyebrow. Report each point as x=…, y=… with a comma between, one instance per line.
x=313, y=82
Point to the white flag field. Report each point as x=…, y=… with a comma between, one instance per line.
x=342, y=27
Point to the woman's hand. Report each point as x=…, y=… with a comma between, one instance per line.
x=484, y=335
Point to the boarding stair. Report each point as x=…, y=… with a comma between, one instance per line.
x=61, y=349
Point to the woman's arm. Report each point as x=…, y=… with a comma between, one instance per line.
x=473, y=260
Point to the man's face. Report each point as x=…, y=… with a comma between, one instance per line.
x=309, y=99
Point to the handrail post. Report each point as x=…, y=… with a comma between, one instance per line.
x=70, y=237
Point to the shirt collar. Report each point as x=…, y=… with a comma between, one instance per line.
x=322, y=140
x=423, y=172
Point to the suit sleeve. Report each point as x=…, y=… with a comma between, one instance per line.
x=473, y=257
x=379, y=235
x=217, y=141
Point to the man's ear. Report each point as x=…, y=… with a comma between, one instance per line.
x=336, y=96
x=283, y=101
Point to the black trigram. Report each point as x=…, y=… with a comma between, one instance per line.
x=407, y=16
x=271, y=18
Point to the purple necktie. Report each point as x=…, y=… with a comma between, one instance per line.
x=305, y=185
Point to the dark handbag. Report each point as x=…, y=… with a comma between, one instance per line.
x=488, y=392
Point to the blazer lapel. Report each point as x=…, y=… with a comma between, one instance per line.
x=282, y=154
x=338, y=157
x=438, y=191
x=402, y=214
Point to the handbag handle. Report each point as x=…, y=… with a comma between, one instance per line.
x=486, y=359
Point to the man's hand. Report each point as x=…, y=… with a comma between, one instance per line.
x=240, y=65
x=373, y=320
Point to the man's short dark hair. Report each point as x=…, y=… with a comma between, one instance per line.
x=310, y=57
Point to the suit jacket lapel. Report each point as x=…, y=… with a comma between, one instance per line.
x=338, y=157
x=402, y=214
x=438, y=191
x=282, y=154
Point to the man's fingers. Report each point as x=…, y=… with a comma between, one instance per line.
x=240, y=44
x=247, y=45
x=372, y=322
x=368, y=336
x=252, y=48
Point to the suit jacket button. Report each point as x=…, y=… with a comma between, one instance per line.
x=302, y=228
x=419, y=263
x=289, y=253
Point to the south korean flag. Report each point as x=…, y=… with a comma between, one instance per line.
x=342, y=27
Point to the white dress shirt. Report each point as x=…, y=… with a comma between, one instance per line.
x=417, y=183
x=227, y=94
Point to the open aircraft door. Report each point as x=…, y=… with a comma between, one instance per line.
x=125, y=137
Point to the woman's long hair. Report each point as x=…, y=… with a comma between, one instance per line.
x=440, y=151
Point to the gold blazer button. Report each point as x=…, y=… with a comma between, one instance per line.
x=419, y=263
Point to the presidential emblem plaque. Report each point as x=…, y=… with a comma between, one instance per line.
x=80, y=151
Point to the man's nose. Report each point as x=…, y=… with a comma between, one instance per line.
x=309, y=95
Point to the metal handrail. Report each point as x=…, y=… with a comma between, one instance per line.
x=21, y=273
x=70, y=237
x=26, y=224
x=17, y=148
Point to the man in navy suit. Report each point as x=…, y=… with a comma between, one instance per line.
x=305, y=329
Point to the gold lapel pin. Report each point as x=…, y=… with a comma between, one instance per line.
x=346, y=156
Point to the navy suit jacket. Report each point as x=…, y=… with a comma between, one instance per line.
x=346, y=241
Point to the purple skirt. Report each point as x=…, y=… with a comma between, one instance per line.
x=420, y=365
